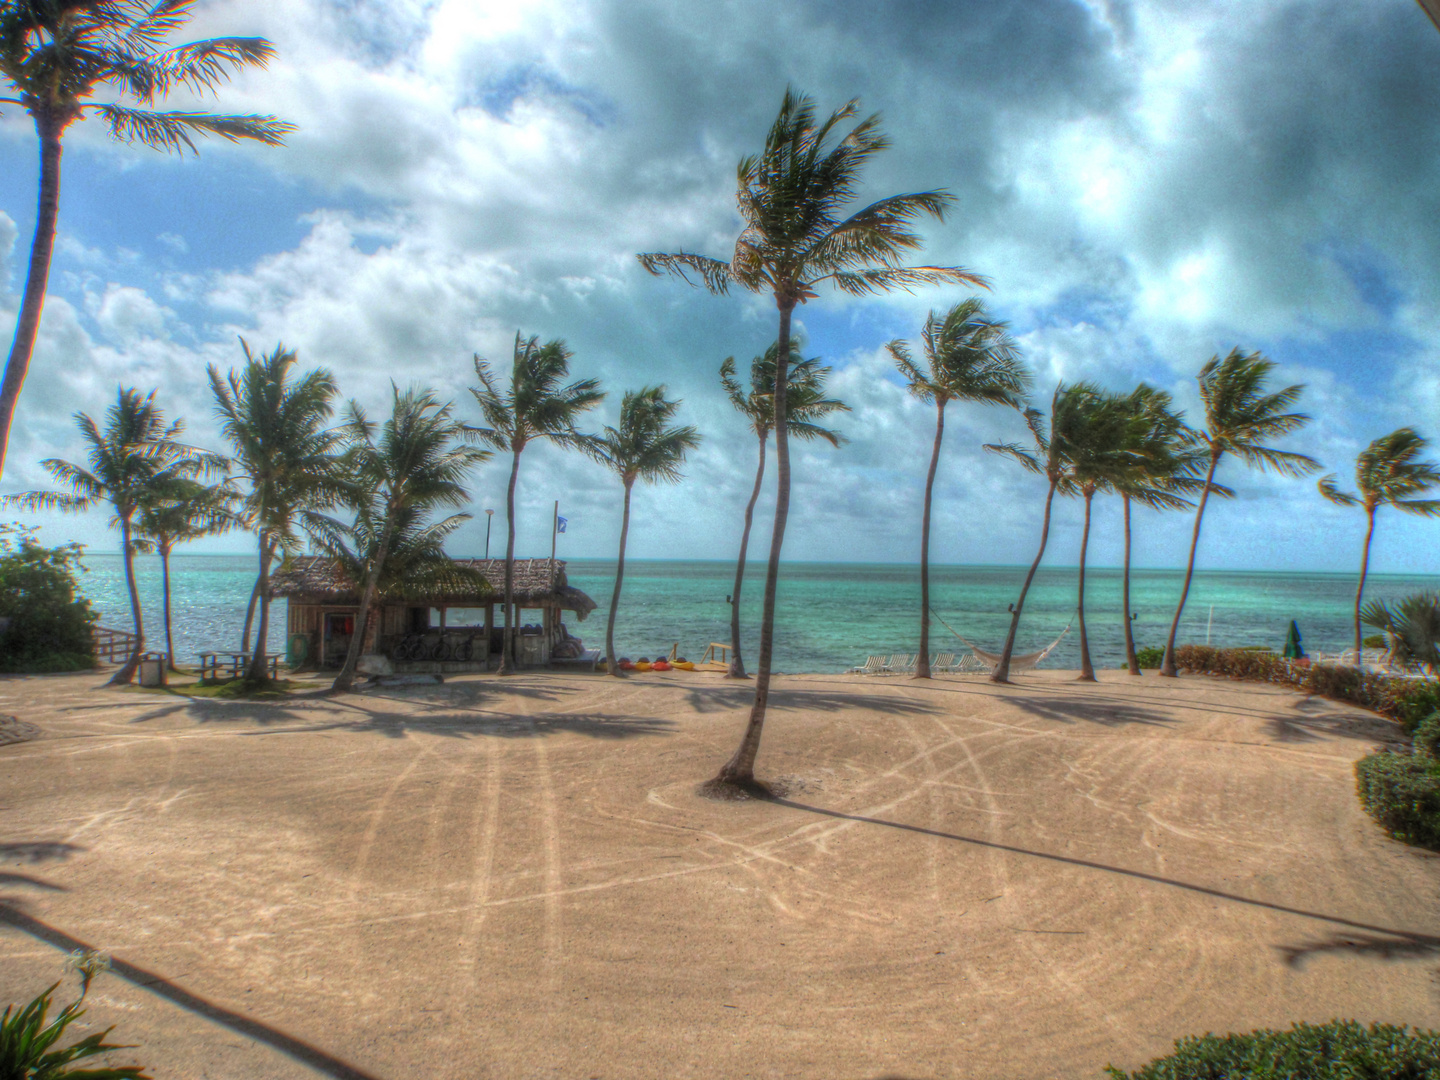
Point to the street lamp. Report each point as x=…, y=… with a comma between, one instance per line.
x=489, y=517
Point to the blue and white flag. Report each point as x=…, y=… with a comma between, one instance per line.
x=559, y=524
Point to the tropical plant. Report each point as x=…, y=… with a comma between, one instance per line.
x=1412, y=626
x=1070, y=407
x=805, y=403
x=27, y=1038
x=1239, y=414
x=136, y=455
x=55, y=55
x=48, y=626
x=968, y=357
x=416, y=466
x=284, y=455
x=537, y=405
x=791, y=198
x=1387, y=473
x=643, y=447
x=177, y=511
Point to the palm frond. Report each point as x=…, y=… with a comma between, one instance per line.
x=1019, y=453
x=171, y=131
x=1334, y=494
x=713, y=274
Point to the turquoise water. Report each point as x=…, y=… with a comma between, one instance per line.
x=830, y=615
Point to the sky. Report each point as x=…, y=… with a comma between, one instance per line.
x=1146, y=183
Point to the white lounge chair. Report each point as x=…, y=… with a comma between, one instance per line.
x=874, y=665
x=901, y=664
x=943, y=663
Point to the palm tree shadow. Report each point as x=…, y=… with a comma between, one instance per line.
x=37, y=851
x=469, y=725
x=1370, y=945
x=1101, y=710
x=708, y=699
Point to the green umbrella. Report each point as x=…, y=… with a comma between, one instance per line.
x=1293, y=651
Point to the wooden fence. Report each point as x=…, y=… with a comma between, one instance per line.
x=113, y=646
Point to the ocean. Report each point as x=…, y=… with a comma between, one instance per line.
x=830, y=616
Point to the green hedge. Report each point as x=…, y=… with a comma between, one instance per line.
x=1402, y=793
x=49, y=622
x=1408, y=701
x=1339, y=1050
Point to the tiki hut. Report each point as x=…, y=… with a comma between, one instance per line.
x=455, y=632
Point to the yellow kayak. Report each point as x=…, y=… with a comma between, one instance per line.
x=682, y=665
x=641, y=665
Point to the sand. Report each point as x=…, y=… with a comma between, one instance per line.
x=516, y=878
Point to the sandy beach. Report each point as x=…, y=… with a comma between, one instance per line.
x=516, y=878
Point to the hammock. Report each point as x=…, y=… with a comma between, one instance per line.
x=1017, y=663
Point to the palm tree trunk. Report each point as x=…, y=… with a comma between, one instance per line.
x=507, y=660
x=739, y=771
x=346, y=679
x=1360, y=588
x=611, y=667
x=250, y=616
x=1167, y=666
x=1002, y=670
x=1087, y=669
x=258, y=670
x=27, y=326
x=126, y=674
x=165, y=582
x=922, y=662
x=1131, y=660
x=737, y=666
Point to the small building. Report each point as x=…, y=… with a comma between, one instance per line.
x=432, y=633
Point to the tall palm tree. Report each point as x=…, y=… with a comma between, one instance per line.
x=1051, y=459
x=1387, y=473
x=537, y=405
x=417, y=465
x=55, y=55
x=643, y=447
x=1238, y=415
x=805, y=403
x=791, y=198
x=1161, y=473
x=176, y=511
x=135, y=454
x=283, y=453
x=968, y=357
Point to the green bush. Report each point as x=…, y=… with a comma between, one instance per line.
x=1374, y=641
x=1148, y=658
x=1339, y=1050
x=50, y=626
x=1402, y=793
x=1427, y=736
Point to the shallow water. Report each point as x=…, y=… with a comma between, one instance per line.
x=829, y=615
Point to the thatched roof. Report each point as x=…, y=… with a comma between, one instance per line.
x=317, y=579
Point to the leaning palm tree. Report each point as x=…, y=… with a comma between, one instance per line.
x=805, y=403
x=1161, y=473
x=1387, y=473
x=283, y=453
x=176, y=511
x=136, y=454
x=1238, y=415
x=968, y=357
x=1069, y=408
x=537, y=405
x=415, y=466
x=643, y=447
x=55, y=55
x=791, y=199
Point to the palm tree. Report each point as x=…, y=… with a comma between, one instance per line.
x=969, y=357
x=417, y=465
x=1162, y=471
x=136, y=454
x=641, y=448
x=805, y=402
x=1413, y=627
x=1068, y=411
x=1238, y=415
x=284, y=454
x=537, y=405
x=1387, y=474
x=55, y=55
x=791, y=197
x=176, y=511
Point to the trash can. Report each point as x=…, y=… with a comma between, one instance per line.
x=152, y=669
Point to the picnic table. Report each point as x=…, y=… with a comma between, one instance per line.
x=215, y=666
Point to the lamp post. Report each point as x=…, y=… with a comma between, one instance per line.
x=489, y=517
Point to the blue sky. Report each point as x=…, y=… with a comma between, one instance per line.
x=1146, y=184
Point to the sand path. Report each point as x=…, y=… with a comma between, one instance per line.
x=515, y=878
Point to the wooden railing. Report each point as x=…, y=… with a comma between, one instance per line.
x=113, y=646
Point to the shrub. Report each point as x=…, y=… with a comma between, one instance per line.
x=50, y=626
x=1427, y=736
x=27, y=1040
x=1149, y=658
x=1339, y=1050
x=1374, y=641
x=1402, y=793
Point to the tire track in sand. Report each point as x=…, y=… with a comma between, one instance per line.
x=554, y=879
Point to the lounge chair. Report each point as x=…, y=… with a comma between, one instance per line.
x=943, y=663
x=874, y=665
x=901, y=664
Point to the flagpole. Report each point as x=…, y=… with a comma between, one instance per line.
x=554, y=529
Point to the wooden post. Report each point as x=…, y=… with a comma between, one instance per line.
x=442, y=619
x=554, y=532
